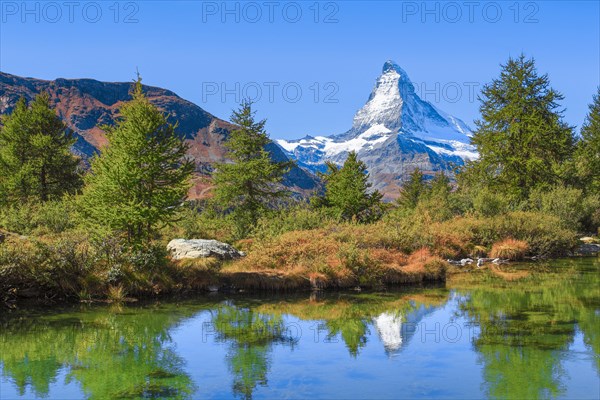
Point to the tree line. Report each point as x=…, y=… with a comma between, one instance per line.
x=529, y=157
x=140, y=180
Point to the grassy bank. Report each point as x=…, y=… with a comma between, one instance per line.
x=296, y=250
x=101, y=233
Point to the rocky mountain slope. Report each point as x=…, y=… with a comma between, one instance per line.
x=393, y=133
x=85, y=104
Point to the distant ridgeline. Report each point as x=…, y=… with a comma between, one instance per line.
x=86, y=104
x=394, y=133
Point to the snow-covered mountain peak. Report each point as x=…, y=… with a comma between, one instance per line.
x=394, y=132
x=395, y=104
x=392, y=66
x=386, y=101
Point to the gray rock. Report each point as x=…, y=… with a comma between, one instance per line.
x=200, y=248
x=588, y=249
x=462, y=263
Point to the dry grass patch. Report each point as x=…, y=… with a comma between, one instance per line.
x=509, y=249
x=342, y=256
x=194, y=274
x=116, y=293
x=266, y=280
x=422, y=265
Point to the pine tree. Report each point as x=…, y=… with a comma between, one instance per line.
x=250, y=183
x=36, y=163
x=413, y=190
x=15, y=178
x=142, y=176
x=440, y=187
x=347, y=190
x=588, y=148
x=521, y=137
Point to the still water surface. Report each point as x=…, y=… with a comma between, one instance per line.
x=478, y=336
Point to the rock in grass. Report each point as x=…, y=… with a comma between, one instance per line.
x=588, y=249
x=200, y=248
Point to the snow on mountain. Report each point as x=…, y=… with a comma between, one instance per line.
x=330, y=147
x=86, y=104
x=385, y=102
x=395, y=131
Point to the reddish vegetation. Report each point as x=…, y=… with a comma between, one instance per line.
x=201, y=187
x=322, y=258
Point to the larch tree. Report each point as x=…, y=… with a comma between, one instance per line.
x=36, y=163
x=250, y=183
x=413, y=190
x=521, y=137
x=141, y=177
x=588, y=148
x=348, y=191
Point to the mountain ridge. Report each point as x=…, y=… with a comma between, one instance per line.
x=85, y=104
x=394, y=132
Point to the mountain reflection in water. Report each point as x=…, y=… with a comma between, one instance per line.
x=480, y=336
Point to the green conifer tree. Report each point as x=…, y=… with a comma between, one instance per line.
x=440, y=187
x=521, y=138
x=413, y=190
x=348, y=191
x=141, y=178
x=36, y=163
x=249, y=184
x=588, y=148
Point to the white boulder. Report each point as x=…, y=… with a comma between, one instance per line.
x=201, y=248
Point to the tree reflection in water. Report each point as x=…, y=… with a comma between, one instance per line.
x=527, y=327
x=526, y=332
x=251, y=336
x=110, y=353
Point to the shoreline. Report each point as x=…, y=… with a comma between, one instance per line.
x=274, y=284
x=224, y=283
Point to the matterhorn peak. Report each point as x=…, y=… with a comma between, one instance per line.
x=392, y=133
x=404, y=82
x=395, y=104
x=391, y=65
x=386, y=101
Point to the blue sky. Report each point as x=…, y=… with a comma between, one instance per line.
x=314, y=63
